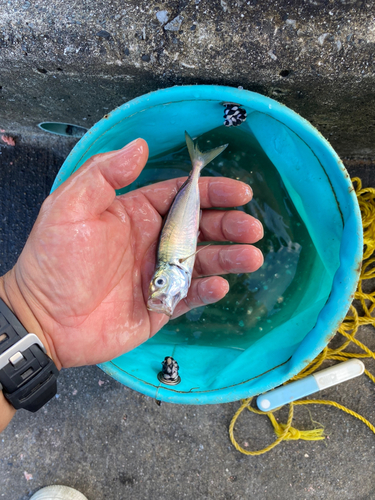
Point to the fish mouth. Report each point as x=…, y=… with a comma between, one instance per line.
x=159, y=305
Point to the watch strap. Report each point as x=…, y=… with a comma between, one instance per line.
x=28, y=376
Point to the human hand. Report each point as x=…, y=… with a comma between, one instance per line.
x=81, y=282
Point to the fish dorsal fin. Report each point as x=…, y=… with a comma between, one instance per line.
x=198, y=156
x=181, y=261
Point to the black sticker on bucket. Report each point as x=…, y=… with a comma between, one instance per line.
x=234, y=115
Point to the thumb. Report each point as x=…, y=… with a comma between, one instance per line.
x=120, y=168
x=91, y=189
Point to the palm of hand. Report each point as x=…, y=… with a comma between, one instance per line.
x=97, y=265
x=89, y=282
x=87, y=264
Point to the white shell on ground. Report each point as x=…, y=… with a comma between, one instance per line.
x=58, y=492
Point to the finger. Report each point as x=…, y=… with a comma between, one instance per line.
x=91, y=190
x=218, y=225
x=225, y=259
x=214, y=192
x=203, y=291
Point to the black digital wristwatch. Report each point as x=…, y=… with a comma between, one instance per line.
x=28, y=377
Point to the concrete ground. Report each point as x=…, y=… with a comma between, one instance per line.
x=111, y=442
x=74, y=61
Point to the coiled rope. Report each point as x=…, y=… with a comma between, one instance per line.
x=348, y=329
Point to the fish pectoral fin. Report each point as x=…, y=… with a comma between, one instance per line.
x=181, y=261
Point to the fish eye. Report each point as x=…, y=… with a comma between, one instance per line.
x=160, y=282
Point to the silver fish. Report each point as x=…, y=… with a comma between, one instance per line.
x=178, y=239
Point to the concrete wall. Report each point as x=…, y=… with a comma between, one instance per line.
x=75, y=61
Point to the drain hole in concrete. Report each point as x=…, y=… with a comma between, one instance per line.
x=66, y=129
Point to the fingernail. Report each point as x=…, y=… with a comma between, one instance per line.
x=128, y=149
x=260, y=256
x=225, y=287
x=130, y=146
x=259, y=225
x=249, y=191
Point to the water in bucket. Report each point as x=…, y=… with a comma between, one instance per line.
x=257, y=302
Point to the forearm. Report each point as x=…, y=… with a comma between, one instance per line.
x=6, y=409
x=14, y=299
x=6, y=412
x=10, y=294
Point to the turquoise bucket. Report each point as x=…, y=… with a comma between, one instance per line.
x=319, y=188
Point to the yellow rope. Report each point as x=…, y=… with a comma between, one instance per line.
x=348, y=329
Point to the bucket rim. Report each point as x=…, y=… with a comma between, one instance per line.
x=345, y=279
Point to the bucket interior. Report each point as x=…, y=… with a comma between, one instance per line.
x=266, y=315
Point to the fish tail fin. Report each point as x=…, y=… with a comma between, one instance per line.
x=198, y=156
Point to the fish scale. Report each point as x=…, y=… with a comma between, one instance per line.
x=180, y=231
